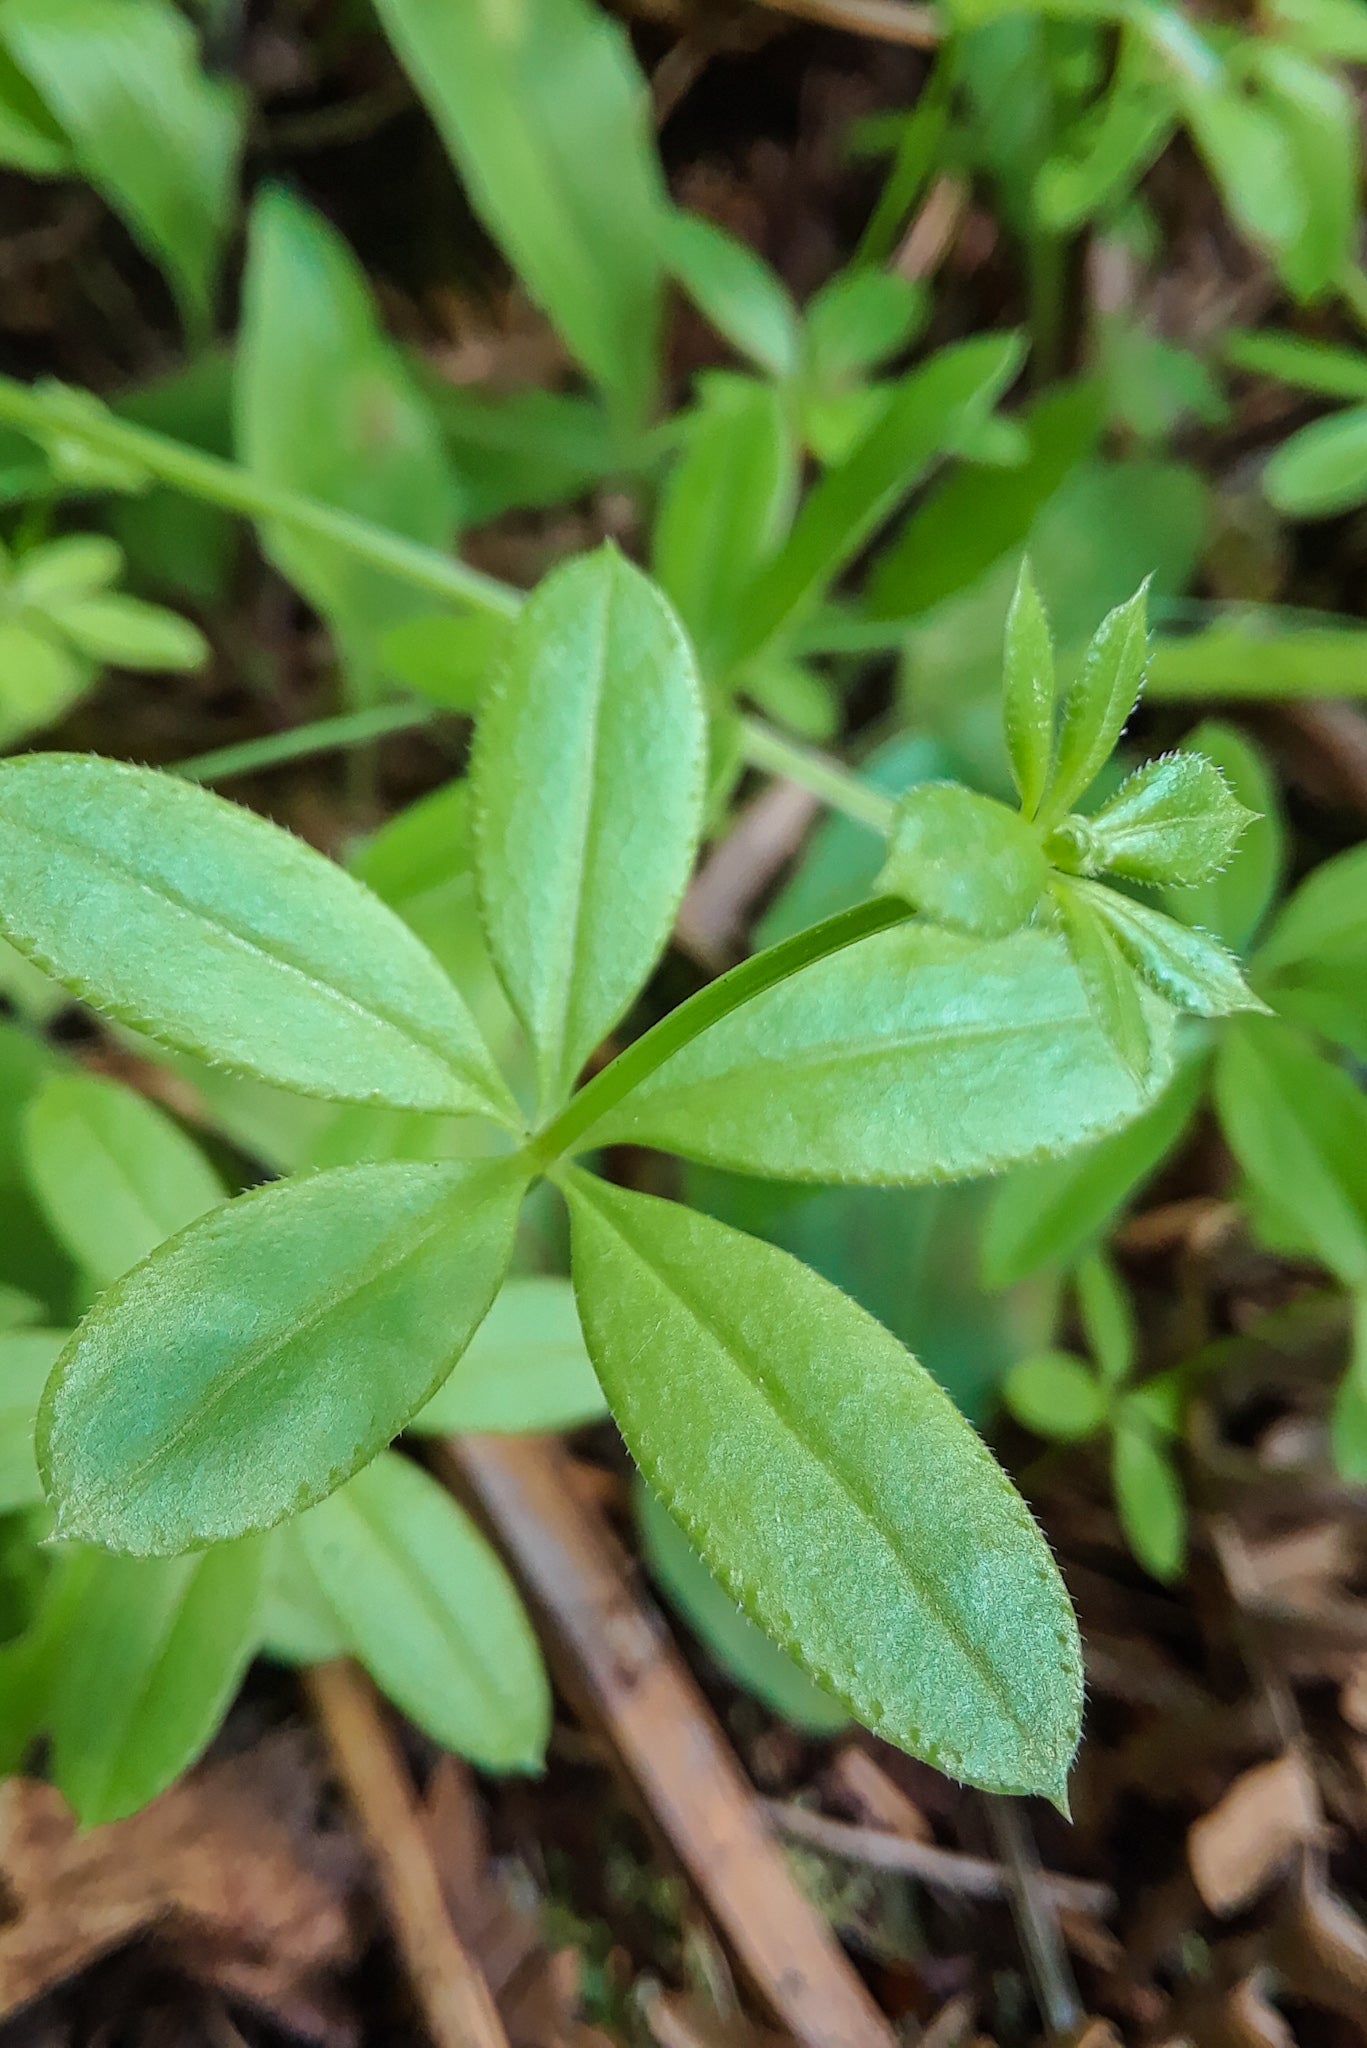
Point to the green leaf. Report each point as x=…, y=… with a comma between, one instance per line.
x=1174, y=820
x=40, y=679
x=253, y=1363
x=26, y=1359
x=127, y=633
x=915, y=1055
x=1028, y=693
x=726, y=506
x=743, y=1651
x=1045, y=1215
x=147, y=128
x=1056, y=1395
x=221, y=935
x=1318, y=118
x=446, y=656
x=972, y=517
x=1322, y=469
x=736, y=290
x=1313, y=964
x=1107, y=1318
x=1113, y=989
x=1098, y=705
x=924, y=414
x=1251, y=159
x=1348, y=1427
x=1264, y=658
x=833, y=1488
x=1189, y=968
x=76, y=565
x=297, y=1625
x=432, y=1614
x=1298, y=1127
x=31, y=139
x=548, y=120
x=114, y=1175
x=858, y=320
x=1151, y=1504
x=326, y=406
x=1233, y=903
x=1325, y=28
x=526, y=1368
x=964, y=860
x=588, y=780
x=1311, y=365
x=153, y=1655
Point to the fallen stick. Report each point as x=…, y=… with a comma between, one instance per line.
x=973, y=1877
x=616, y=1661
x=449, y=1987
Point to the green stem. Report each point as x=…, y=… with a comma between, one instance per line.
x=729, y=992
x=55, y=412
x=323, y=736
x=835, y=785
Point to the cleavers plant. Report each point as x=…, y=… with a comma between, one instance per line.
x=993, y=1002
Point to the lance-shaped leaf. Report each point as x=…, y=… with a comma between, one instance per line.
x=1297, y=1125
x=428, y=1608
x=1191, y=969
x=1028, y=692
x=548, y=118
x=221, y=935
x=151, y=1659
x=736, y=289
x=915, y=1055
x=1114, y=989
x=588, y=780
x=1097, y=706
x=1173, y=820
x=258, y=1359
x=149, y=130
x=114, y=1175
x=833, y=1488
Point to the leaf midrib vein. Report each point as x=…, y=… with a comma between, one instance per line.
x=863, y=1505
x=165, y=892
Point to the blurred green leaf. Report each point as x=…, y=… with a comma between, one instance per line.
x=736, y=290
x=1149, y=1496
x=1322, y=469
x=425, y=1604
x=157, y=137
x=114, y=1175
x=26, y=1359
x=548, y=120
x=1107, y=1318
x=1056, y=1395
x=851, y=501
x=150, y=1662
x=1043, y=1215
x=1297, y=1125
x=858, y=320
x=525, y=1368
x=726, y=506
x=326, y=406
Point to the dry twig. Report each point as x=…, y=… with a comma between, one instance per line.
x=615, y=1658
x=454, y=1997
